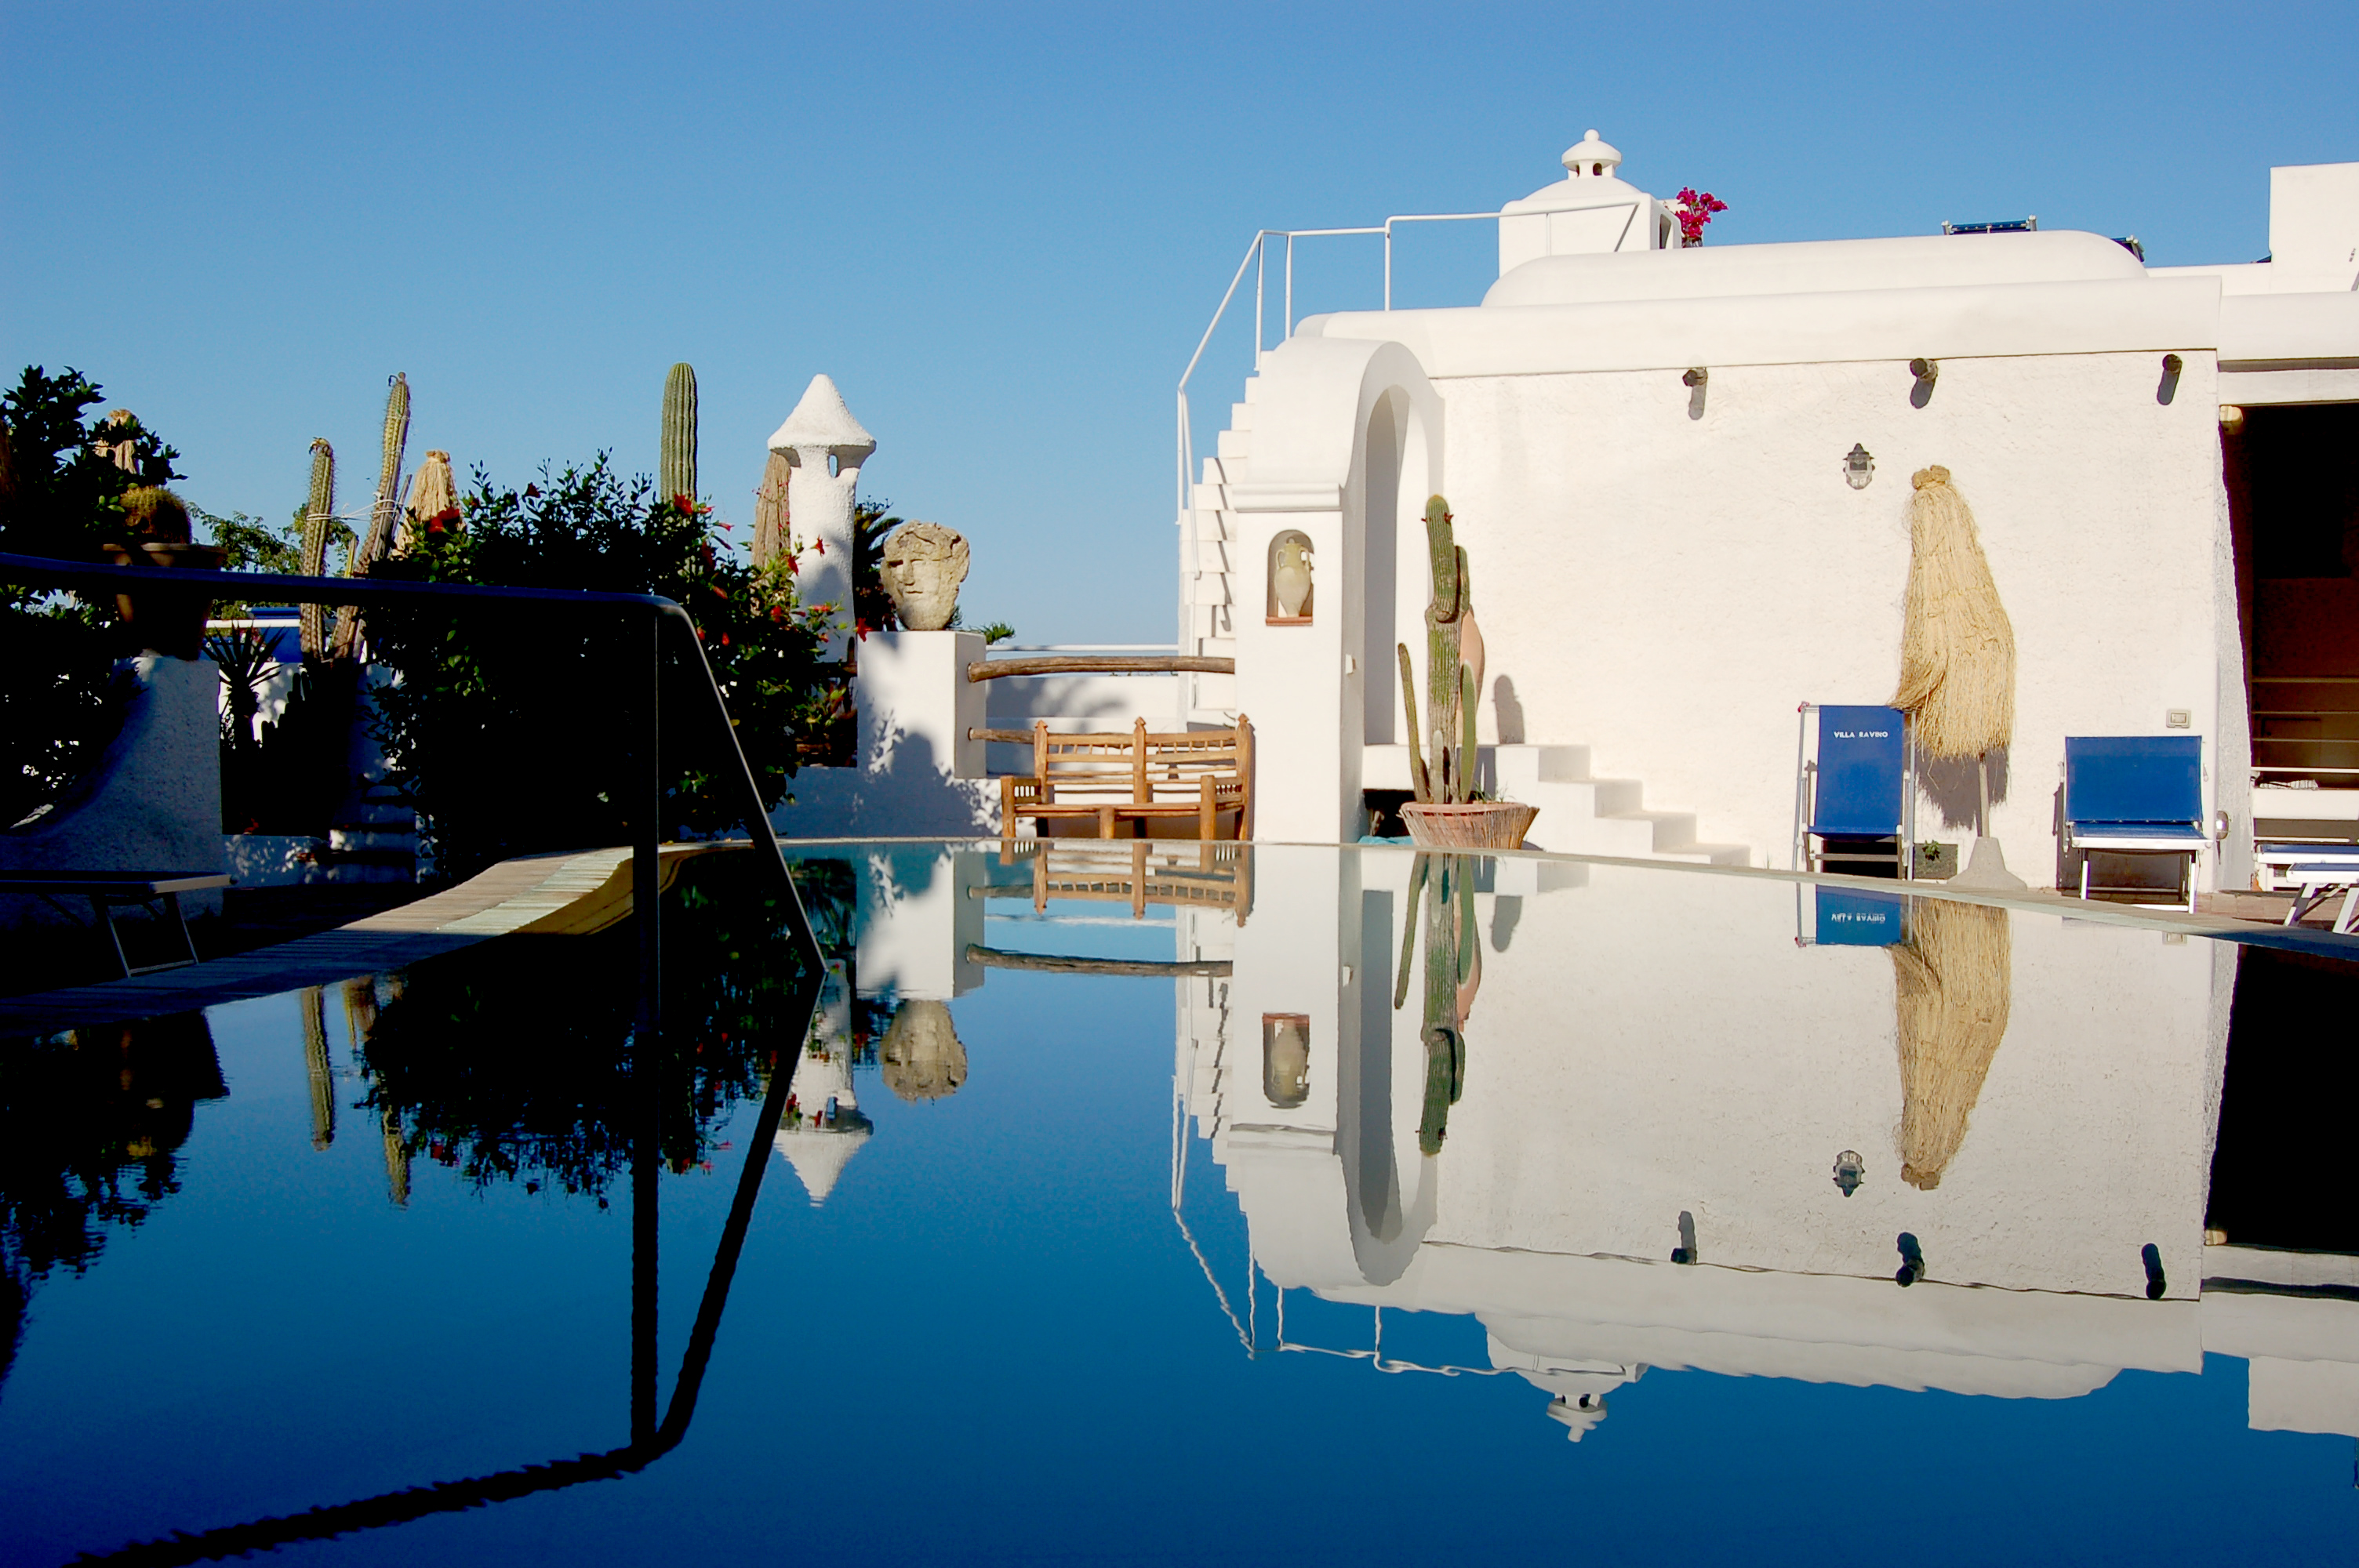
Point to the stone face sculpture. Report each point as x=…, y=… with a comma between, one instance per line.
x=921, y=1057
x=924, y=564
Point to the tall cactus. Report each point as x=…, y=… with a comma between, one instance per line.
x=383, y=514
x=678, y=468
x=1452, y=682
x=317, y=512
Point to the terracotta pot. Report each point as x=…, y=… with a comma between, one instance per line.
x=1472, y=825
x=164, y=619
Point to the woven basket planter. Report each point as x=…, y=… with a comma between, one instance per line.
x=1471, y=824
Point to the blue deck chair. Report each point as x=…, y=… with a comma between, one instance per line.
x=1852, y=798
x=2134, y=795
x=1846, y=917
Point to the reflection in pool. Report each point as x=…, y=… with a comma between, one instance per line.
x=1742, y=1181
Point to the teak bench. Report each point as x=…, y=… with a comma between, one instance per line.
x=1135, y=781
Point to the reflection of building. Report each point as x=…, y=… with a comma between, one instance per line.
x=1654, y=1066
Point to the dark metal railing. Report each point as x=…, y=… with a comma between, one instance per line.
x=41, y=572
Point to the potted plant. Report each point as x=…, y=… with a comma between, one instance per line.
x=1450, y=812
x=165, y=620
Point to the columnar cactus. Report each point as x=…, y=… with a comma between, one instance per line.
x=383, y=514
x=678, y=468
x=1452, y=679
x=317, y=512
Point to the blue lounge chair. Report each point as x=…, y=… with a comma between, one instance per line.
x=2134, y=795
x=1851, y=799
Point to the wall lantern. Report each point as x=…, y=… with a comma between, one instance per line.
x=1850, y=1171
x=2167, y=388
x=1859, y=467
x=1926, y=372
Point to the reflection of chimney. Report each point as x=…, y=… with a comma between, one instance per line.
x=824, y=1127
x=397, y=1160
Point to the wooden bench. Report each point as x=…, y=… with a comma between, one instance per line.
x=160, y=890
x=1201, y=778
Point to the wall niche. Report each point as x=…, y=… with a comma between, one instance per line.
x=1290, y=591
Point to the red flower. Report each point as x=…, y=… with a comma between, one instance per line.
x=819, y=544
x=532, y=490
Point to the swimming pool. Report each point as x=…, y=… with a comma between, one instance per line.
x=1147, y=1203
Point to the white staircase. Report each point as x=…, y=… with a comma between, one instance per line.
x=1579, y=815
x=1211, y=626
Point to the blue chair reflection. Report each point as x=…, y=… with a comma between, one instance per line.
x=1848, y=917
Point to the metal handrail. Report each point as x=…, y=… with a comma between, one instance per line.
x=42, y=572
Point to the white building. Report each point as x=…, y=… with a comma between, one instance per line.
x=1646, y=450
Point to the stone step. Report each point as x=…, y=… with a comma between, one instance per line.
x=1578, y=814
x=1241, y=417
x=1233, y=447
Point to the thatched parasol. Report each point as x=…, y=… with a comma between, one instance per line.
x=770, y=517
x=1952, y=985
x=432, y=493
x=1956, y=652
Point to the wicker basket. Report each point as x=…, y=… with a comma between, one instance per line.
x=1471, y=824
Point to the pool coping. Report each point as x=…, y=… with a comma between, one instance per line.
x=578, y=891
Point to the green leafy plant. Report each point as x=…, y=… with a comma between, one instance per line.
x=514, y=732
x=63, y=498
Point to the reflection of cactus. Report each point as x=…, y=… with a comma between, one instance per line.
x=1453, y=672
x=679, y=466
x=318, y=513
x=1441, y=895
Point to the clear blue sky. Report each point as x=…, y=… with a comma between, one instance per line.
x=1000, y=229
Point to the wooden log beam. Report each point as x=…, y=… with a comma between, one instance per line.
x=1101, y=664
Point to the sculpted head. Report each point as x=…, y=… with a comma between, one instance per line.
x=924, y=565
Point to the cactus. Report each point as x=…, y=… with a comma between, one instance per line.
x=1451, y=685
x=383, y=514
x=679, y=470
x=317, y=512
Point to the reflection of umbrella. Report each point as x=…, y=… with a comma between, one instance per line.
x=1953, y=983
x=1957, y=646
x=433, y=492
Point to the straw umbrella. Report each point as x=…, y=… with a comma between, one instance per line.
x=433, y=492
x=1957, y=653
x=1953, y=986
x=770, y=517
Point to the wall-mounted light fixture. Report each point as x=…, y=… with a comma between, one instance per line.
x=2169, y=386
x=1859, y=467
x=1912, y=1261
x=1926, y=372
x=1694, y=382
x=1850, y=1171
x=1697, y=377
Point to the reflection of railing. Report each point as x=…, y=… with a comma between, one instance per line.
x=1374, y=1353
x=1094, y=664
x=1059, y=964
x=650, y=1439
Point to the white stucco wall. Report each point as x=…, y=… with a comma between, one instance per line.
x=1666, y=590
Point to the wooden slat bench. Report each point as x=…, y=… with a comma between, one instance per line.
x=159, y=891
x=1134, y=783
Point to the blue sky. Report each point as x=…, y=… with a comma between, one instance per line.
x=1000, y=229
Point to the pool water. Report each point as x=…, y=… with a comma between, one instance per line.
x=1437, y=1208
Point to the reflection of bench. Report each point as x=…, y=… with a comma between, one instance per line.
x=1212, y=876
x=1201, y=780
x=2134, y=795
x=160, y=890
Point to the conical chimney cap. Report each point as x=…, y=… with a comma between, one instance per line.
x=821, y=420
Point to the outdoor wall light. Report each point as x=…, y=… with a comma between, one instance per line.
x=1859, y=467
x=1926, y=373
x=2167, y=388
x=1694, y=381
x=1850, y=1171
x=1912, y=1261
x=1695, y=377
